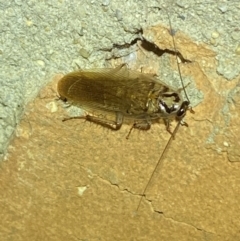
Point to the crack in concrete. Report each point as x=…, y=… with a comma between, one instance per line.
x=146, y=199
x=177, y=221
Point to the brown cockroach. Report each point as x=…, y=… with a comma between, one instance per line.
x=126, y=95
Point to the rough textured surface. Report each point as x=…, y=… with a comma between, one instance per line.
x=40, y=39
x=79, y=181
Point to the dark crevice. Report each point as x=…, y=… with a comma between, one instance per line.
x=121, y=46
x=151, y=47
x=146, y=45
x=126, y=45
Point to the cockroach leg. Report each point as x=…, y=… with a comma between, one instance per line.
x=114, y=125
x=139, y=125
x=168, y=125
x=183, y=123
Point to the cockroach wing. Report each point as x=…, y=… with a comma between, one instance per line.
x=109, y=90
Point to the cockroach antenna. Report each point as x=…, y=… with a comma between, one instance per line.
x=176, y=52
x=179, y=117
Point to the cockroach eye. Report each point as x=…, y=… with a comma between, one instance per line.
x=182, y=111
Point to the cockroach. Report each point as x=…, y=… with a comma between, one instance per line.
x=126, y=95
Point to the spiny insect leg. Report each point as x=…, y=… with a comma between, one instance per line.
x=139, y=125
x=168, y=124
x=114, y=125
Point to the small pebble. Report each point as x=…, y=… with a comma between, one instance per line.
x=225, y=144
x=215, y=34
x=235, y=35
x=118, y=15
x=52, y=106
x=223, y=8
x=41, y=63
x=84, y=53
